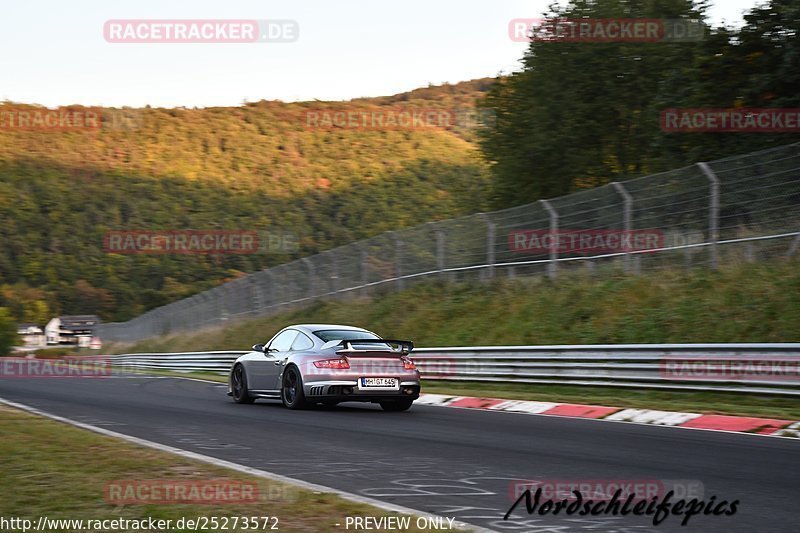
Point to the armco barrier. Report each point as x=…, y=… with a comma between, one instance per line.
x=772, y=368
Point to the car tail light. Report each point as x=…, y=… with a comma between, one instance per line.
x=340, y=364
x=408, y=364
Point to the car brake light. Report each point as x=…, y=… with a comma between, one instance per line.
x=340, y=364
x=408, y=364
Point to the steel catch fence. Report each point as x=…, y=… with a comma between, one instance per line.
x=739, y=209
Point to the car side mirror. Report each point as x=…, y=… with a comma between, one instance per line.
x=258, y=347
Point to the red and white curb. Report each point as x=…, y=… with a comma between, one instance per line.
x=737, y=424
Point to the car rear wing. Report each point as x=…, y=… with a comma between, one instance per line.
x=394, y=346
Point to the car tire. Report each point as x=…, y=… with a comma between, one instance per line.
x=239, y=386
x=292, y=394
x=396, y=405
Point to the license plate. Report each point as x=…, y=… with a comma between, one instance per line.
x=379, y=383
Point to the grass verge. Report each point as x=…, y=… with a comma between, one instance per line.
x=54, y=470
x=757, y=302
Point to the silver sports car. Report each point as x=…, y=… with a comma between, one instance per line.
x=325, y=364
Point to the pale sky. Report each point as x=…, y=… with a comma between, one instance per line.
x=54, y=52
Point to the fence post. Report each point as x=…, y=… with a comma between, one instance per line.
x=334, y=279
x=713, y=213
x=552, y=266
x=271, y=290
x=311, y=277
x=363, y=266
x=441, y=236
x=238, y=297
x=627, y=218
x=490, y=244
x=224, y=299
x=201, y=308
x=398, y=260
x=258, y=296
x=793, y=246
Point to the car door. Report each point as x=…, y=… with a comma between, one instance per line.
x=276, y=353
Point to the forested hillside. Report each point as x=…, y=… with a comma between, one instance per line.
x=261, y=166
x=576, y=115
x=582, y=114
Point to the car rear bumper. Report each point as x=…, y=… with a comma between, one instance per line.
x=349, y=390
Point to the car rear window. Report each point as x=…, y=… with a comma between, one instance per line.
x=344, y=334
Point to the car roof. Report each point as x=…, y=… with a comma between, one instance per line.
x=311, y=328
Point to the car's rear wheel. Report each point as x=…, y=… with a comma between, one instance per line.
x=292, y=394
x=239, y=386
x=397, y=405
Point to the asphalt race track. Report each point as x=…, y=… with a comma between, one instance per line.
x=449, y=462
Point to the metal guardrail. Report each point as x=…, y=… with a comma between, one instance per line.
x=772, y=368
x=178, y=362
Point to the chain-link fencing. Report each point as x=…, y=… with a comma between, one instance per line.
x=739, y=209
